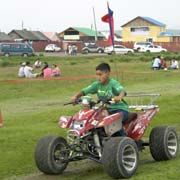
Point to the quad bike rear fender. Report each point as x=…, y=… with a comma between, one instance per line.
x=136, y=128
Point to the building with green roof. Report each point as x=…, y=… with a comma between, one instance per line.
x=80, y=34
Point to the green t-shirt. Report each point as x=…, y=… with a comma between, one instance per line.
x=113, y=88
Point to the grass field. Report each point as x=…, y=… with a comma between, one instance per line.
x=31, y=110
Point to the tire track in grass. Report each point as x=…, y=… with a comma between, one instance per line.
x=74, y=169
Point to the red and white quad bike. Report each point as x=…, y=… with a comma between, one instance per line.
x=94, y=134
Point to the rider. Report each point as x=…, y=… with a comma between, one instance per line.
x=107, y=88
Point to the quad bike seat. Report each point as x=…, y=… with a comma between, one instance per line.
x=131, y=117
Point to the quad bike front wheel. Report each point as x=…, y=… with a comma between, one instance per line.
x=120, y=157
x=51, y=154
x=163, y=143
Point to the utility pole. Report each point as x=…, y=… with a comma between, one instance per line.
x=22, y=25
x=96, y=36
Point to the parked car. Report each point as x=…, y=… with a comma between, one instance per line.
x=118, y=49
x=138, y=45
x=92, y=48
x=22, y=49
x=153, y=49
x=52, y=48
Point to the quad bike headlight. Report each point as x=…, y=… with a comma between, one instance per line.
x=78, y=125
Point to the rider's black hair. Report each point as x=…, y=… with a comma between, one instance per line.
x=103, y=67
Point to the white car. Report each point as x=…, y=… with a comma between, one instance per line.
x=153, y=49
x=138, y=45
x=118, y=49
x=52, y=48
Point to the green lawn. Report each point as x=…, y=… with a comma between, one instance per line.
x=31, y=110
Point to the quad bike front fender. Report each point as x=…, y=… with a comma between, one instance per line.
x=65, y=122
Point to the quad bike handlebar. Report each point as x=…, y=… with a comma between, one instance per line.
x=91, y=103
x=135, y=101
x=76, y=102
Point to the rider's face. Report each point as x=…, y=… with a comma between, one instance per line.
x=102, y=76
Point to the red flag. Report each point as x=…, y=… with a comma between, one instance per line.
x=108, y=18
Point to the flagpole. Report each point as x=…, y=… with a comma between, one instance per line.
x=22, y=25
x=95, y=24
x=110, y=25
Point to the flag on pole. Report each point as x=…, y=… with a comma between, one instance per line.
x=108, y=18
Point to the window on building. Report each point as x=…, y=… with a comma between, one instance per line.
x=71, y=32
x=149, y=40
x=139, y=30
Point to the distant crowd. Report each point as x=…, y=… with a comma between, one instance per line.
x=160, y=63
x=26, y=70
x=71, y=50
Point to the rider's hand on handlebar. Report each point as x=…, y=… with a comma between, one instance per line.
x=115, y=99
x=74, y=100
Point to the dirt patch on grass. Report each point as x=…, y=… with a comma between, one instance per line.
x=73, y=169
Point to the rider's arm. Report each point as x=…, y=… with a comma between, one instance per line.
x=78, y=95
x=120, y=97
x=118, y=91
x=91, y=89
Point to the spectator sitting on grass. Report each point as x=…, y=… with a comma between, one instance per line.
x=21, y=70
x=157, y=63
x=55, y=71
x=28, y=71
x=44, y=67
x=47, y=72
x=37, y=63
x=163, y=63
x=174, y=64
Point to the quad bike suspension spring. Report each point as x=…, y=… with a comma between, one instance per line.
x=97, y=143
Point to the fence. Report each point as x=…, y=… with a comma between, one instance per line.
x=40, y=45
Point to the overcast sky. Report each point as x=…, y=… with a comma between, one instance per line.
x=57, y=15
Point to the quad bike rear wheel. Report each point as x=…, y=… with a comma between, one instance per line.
x=120, y=157
x=163, y=143
x=51, y=154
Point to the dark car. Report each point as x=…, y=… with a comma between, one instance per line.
x=22, y=49
x=92, y=48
